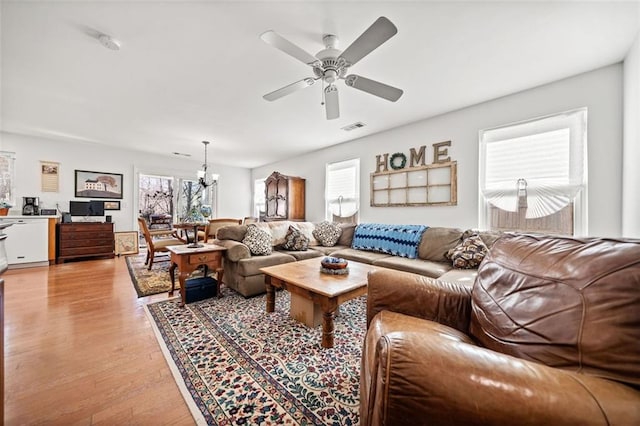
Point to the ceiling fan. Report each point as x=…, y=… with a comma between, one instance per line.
x=330, y=65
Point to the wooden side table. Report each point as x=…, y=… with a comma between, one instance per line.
x=188, y=259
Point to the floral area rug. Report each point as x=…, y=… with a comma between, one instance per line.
x=154, y=281
x=236, y=364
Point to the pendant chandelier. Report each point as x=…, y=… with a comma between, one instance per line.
x=205, y=180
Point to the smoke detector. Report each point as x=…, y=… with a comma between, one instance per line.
x=109, y=42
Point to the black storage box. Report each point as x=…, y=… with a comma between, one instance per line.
x=200, y=288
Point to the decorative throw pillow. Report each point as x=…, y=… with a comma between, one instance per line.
x=295, y=240
x=258, y=241
x=327, y=233
x=469, y=253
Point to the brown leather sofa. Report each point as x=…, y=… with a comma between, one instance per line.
x=549, y=334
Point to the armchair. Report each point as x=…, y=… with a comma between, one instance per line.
x=157, y=240
x=547, y=335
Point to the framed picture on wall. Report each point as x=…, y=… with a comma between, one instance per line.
x=112, y=205
x=98, y=184
x=126, y=242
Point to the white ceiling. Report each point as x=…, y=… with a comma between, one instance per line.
x=190, y=71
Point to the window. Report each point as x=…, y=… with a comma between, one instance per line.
x=7, y=177
x=155, y=196
x=533, y=175
x=258, y=198
x=162, y=197
x=342, y=190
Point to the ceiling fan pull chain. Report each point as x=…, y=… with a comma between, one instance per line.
x=322, y=96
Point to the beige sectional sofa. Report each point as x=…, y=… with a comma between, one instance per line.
x=242, y=269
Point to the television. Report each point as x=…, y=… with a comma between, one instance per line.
x=86, y=208
x=96, y=208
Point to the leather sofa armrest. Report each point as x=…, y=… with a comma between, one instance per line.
x=235, y=250
x=427, y=378
x=419, y=296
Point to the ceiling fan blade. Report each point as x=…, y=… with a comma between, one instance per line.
x=376, y=88
x=331, y=103
x=277, y=94
x=379, y=32
x=279, y=42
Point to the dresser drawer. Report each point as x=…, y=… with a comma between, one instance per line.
x=86, y=251
x=66, y=236
x=94, y=242
x=196, y=259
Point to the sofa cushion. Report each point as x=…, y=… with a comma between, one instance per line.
x=563, y=302
x=327, y=233
x=234, y=232
x=416, y=266
x=329, y=250
x=252, y=265
x=295, y=240
x=302, y=255
x=359, y=255
x=346, y=237
x=398, y=240
x=488, y=237
x=437, y=241
x=469, y=253
x=278, y=231
x=307, y=229
x=258, y=241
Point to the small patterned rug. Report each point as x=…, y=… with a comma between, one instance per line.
x=236, y=364
x=147, y=282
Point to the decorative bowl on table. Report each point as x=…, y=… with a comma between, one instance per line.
x=334, y=265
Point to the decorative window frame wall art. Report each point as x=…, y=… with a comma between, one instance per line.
x=125, y=242
x=416, y=184
x=112, y=205
x=90, y=184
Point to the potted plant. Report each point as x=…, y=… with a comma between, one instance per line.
x=4, y=207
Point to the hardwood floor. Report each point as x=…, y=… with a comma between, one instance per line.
x=79, y=350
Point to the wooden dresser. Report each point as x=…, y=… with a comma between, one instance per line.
x=86, y=239
x=285, y=197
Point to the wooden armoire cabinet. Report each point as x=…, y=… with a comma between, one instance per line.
x=284, y=196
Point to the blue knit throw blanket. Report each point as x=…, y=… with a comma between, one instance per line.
x=397, y=240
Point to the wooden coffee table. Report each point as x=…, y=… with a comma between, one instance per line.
x=316, y=296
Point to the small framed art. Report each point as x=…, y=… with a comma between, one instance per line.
x=112, y=205
x=126, y=242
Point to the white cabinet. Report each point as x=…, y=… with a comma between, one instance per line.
x=27, y=240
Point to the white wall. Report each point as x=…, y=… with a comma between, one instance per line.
x=234, y=187
x=599, y=90
x=631, y=158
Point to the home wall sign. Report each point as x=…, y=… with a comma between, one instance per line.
x=394, y=183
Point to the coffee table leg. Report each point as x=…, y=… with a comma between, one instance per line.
x=327, y=328
x=271, y=296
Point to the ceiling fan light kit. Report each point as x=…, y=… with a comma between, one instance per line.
x=330, y=65
x=109, y=42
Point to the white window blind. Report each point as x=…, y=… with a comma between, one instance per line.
x=547, y=155
x=342, y=188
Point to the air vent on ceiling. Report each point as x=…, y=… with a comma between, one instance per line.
x=353, y=126
x=181, y=154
